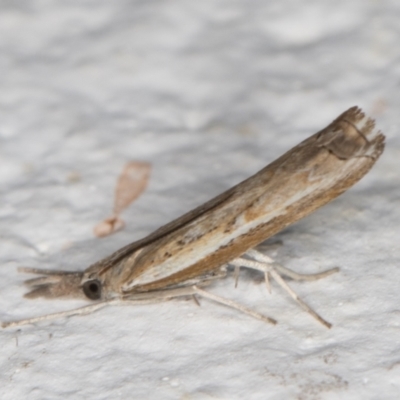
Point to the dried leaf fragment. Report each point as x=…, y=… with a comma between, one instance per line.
x=131, y=183
x=108, y=226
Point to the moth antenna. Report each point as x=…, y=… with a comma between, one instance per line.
x=76, y=311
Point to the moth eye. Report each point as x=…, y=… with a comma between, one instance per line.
x=92, y=289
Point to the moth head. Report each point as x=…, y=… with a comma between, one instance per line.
x=63, y=284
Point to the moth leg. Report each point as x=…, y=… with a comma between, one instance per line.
x=234, y=305
x=304, y=277
x=267, y=260
x=288, y=272
x=168, y=294
x=268, y=268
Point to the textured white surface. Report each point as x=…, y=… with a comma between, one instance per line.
x=208, y=92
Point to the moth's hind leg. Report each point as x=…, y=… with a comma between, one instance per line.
x=256, y=255
x=283, y=271
x=304, y=277
x=265, y=264
x=296, y=276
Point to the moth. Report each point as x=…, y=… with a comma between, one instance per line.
x=183, y=256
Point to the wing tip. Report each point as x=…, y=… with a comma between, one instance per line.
x=353, y=134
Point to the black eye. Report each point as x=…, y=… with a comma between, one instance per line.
x=92, y=289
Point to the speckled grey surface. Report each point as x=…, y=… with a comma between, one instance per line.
x=208, y=92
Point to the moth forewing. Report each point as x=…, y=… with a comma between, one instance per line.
x=302, y=180
x=187, y=250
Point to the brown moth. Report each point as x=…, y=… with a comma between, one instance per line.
x=194, y=249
